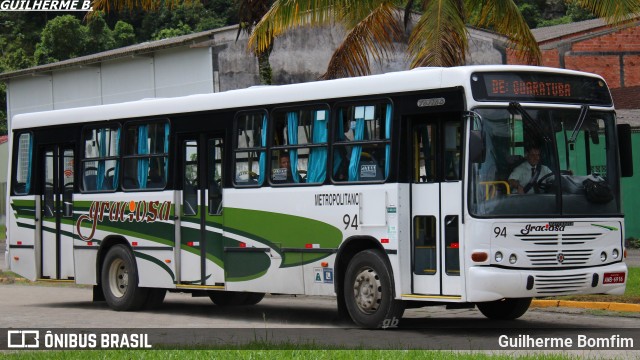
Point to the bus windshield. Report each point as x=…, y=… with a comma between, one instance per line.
x=551, y=162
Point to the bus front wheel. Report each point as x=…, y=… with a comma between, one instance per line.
x=368, y=291
x=120, y=280
x=505, y=309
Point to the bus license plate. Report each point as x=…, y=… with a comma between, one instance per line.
x=613, y=278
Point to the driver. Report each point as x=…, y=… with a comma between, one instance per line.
x=525, y=176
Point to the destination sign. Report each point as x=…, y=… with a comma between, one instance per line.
x=539, y=87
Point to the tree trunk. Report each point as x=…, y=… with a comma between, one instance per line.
x=264, y=66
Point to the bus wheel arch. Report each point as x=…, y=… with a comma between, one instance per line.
x=363, y=260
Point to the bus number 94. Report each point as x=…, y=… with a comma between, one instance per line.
x=350, y=221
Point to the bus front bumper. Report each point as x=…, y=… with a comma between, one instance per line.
x=487, y=283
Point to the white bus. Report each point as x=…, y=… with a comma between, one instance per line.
x=388, y=191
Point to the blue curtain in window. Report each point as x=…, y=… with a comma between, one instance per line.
x=27, y=186
x=143, y=164
x=116, y=171
x=354, y=163
x=292, y=135
x=387, y=135
x=102, y=151
x=263, y=155
x=317, y=170
x=166, y=151
x=337, y=159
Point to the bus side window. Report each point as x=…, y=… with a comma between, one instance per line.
x=299, y=146
x=362, y=137
x=22, y=172
x=250, y=158
x=100, y=160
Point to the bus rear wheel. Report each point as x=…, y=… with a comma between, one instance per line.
x=119, y=279
x=235, y=298
x=505, y=309
x=368, y=291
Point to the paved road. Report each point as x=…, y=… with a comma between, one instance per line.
x=287, y=318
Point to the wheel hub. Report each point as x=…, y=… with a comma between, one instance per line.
x=118, y=278
x=367, y=290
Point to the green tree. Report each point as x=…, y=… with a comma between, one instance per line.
x=439, y=37
x=100, y=37
x=63, y=37
x=123, y=34
x=180, y=29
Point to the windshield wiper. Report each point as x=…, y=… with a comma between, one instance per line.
x=516, y=108
x=584, y=111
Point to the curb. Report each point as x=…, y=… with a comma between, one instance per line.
x=586, y=305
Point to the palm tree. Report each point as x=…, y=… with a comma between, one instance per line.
x=438, y=38
x=249, y=14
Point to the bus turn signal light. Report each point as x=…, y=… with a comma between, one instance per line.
x=479, y=256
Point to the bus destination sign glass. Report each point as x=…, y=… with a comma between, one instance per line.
x=539, y=87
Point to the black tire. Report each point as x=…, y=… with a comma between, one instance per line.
x=235, y=298
x=119, y=280
x=155, y=298
x=369, y=292
x=505, y=309
x=253, y=298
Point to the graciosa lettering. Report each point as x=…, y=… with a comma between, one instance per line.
x=122, y=211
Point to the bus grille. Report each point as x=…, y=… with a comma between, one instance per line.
x=561, y=284
x=559, y=257
x=559, y=239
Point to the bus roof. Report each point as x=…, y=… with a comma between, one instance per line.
x=394, y=82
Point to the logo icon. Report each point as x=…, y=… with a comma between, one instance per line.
x=22, y=339
x=560, y=258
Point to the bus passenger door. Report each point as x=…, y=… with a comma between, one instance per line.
x=436, y=206
x=201, y=210
x=56, y=247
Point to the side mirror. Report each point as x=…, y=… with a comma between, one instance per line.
x=624, y=148
x=477, y=149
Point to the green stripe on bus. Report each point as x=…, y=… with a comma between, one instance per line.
x=157, y=262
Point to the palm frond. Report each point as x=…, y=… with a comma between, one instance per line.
x=439, y=38
x=503, y=17
x=373, y=36
x=614, y=11
x=289, y=14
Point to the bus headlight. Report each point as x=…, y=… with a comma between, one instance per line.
x=603, y=256
x=498, y=256
x=615, y=253
x=513, y=259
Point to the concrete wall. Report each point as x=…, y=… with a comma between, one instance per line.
x=220, y=64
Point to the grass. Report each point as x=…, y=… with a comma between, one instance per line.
x=298, y=354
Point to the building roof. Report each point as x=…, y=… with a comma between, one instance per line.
x=547, y=33
x=127, y=51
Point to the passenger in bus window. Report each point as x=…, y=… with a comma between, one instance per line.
x=282, y=174
x=524, y=178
